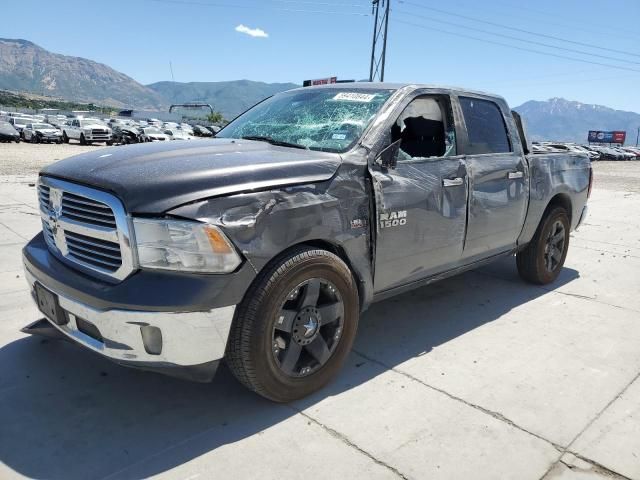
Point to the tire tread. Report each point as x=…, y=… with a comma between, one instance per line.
x=238, y=355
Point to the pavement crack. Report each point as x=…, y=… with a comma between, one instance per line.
x=346, y=441
x=604, y=409
x=496, y=415
x=595, y=468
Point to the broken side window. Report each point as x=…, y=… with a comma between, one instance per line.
x=425, y=129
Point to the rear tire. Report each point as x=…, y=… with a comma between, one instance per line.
x=543, y=258
x=295, y=284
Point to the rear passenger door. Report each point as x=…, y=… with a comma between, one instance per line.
x=497, y=169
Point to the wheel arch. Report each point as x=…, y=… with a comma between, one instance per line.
x=538, y=210
x=332, y=247
x=559, y=200
x=336, y=249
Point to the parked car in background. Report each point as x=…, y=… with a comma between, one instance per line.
x=607, y=153
x=201, y=131
x=19, y=123
x=8, y=133
x=178, y=134
x=213, y=129
x=634, y=150
x=41, y=133
x=87, y=131
x=153, y=134
x=125, y=134
x=626, y=155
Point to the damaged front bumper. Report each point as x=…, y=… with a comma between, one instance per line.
x=176, y=325
x=184, y=344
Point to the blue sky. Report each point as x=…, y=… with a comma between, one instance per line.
x=199, y=37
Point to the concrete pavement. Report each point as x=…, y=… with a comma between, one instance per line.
x=477, y=377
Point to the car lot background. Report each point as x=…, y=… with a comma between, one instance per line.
x=480, y=376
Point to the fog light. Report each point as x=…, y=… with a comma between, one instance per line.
x=152, y=339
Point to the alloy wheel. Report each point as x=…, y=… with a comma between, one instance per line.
x=308, y=327
x=554, y=246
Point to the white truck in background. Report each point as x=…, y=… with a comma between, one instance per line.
x=87, y=131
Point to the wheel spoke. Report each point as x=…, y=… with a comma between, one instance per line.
x=549, y=262
x=319, y=350
x=558, y=237
x=311, y=293
x=557, y=255
x=291, y=357
x=331, y=312
x=284, y=320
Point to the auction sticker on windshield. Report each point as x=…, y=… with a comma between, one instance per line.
x=355, y=97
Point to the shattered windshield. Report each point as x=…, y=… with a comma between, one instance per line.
x=330, y=120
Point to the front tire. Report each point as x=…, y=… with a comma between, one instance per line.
x=82, y=139
x=296, y=325
x=543, y=258
x=65, y=139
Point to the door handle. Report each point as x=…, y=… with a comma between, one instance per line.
x=452, y=182
x=514, y=175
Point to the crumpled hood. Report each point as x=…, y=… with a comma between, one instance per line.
x=156, y=177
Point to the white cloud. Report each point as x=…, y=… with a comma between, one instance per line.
x=252, y=32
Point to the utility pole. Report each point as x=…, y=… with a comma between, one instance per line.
x=171, y=68
x=638, y=136
x=380, y=12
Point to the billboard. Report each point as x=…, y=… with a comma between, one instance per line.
x=320, y=81
x=597, y=136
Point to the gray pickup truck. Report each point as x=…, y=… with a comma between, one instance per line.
x=263, y=245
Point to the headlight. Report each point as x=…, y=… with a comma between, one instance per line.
x=184, y=246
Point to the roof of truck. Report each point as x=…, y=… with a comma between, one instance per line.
x=397, y=86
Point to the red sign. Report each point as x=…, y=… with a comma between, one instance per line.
x=619, y=137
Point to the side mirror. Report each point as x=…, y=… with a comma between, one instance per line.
x=388, y=158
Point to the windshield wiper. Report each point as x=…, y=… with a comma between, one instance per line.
x=273, y=141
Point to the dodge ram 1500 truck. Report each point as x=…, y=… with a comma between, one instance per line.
x=87, y=131
x=263, y=245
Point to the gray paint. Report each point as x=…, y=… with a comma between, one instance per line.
x=154, y=177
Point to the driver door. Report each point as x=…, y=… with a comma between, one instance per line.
x=422, y=200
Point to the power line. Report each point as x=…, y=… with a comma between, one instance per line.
x=511, y=37
x=253, y=7
x=528, y=32
x=352, y=5
x=564, y=57
x=571, y=25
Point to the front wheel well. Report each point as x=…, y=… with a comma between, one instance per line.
x=336, y=250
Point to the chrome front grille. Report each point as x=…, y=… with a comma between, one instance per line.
x=100, y=253
x=85, y=210
x=85, y=227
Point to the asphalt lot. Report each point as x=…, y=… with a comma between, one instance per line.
x=477, y=377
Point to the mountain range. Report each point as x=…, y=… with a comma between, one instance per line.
x=27, y=67
x=564, y=120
